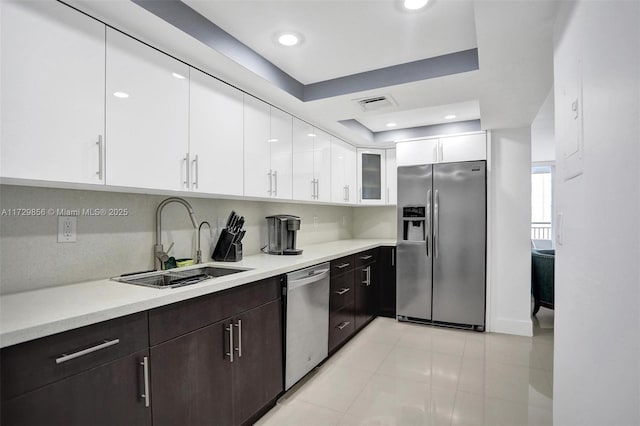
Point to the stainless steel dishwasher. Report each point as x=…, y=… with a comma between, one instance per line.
x=307, y=333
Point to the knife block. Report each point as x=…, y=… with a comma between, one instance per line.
x=226, y=250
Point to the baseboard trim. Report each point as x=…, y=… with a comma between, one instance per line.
x=512, y=326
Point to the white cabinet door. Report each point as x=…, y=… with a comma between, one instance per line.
x=52, y=93
x=303, y=177
x=322, y=165
x=215, y=135
x=343, y=172
x=411, y=153
x=280, y=148
x=392, y=177
x=463, y=148
x=147, y=116
x=371, y=176
x=257, y=167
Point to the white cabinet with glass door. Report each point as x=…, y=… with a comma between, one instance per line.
x=392, y=177
x=147, y=116
x=343, y=172
x=311, y=162
x=53, y=69
x=215, y=135
x=371, y=176
x=267, y=150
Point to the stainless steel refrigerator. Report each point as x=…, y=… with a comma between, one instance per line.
x=441, y=247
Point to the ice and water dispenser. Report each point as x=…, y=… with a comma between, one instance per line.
x=414, y=223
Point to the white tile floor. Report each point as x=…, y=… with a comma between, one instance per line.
x=404, y=374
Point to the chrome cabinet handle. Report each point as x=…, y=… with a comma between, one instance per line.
x=230, y=353
x=343, y=325
x=196, y=170
x=393, y=257
x=345, y=197
x=348, y=193
x=428, y=219
x=313, y=189
x=239, y=348
x=317, y=189
x=270, y=174
x=387, y=195
x=145, y=372
x=100, y=159
x=366, y=257
x=68, y=357
x=436, y=224
x=344, y=265
x=275, y=183
x=343, y=291
x=367, y=280
x=187, y=174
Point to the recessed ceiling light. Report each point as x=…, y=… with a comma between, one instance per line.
x=450, y=117
x=288, y=39
x=272, y=140
x=415, y=4
x=121, y=95
x=179, y=76
x=391, y=124
x=311, y=135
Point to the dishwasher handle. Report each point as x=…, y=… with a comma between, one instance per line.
x=317, y=275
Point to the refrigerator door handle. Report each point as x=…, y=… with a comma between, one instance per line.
x=428, y=220
x=436, y=224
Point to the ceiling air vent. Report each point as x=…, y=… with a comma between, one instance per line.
x=376, y=103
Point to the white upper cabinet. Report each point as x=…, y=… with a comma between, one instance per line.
x=267, y=150
x=52, y=88
x=147, y=116
x=311, y=162
x=423, y=151
x=449, y=149
x=215, y=135
x=392, y=177
x=371, y=176
x=343, y=172
x=463, y=148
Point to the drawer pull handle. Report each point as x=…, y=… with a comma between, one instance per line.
x=367, y=257
x=343, y=325
x=145, y=372
x=69, y=357
x=230, y=353
x=344, y=265
x=343, y=291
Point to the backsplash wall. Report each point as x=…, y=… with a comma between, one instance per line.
x=106, y=246
x=374, y=222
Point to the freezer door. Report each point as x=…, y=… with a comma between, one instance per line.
x=459, y=242
x=413, y=267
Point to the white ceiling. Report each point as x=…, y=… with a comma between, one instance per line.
x=514, y=41
x=343, y=37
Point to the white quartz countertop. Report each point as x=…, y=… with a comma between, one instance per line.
x=38, y=313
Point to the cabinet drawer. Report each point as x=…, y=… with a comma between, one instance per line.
x=342, y=265
x=30, y=365
x=342, y=291
x=341, y=326
x=180, y=318
x=365, y=258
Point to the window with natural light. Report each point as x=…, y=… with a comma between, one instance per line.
x=541, y=202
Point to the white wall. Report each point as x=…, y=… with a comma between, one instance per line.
x=543, y=144
x=509, y=221
x=597, y=286
x=31, y=257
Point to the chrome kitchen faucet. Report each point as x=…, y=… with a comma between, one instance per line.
x=160, y=254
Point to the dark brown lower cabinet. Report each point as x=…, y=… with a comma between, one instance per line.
x=225, y=373
x=110, y=394
x=366, y=297
x=387, y=281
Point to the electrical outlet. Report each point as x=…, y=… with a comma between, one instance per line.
x=344, y=221
x=315, y=221
x=67, y=227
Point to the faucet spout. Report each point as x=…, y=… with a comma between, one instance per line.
x=158, y=249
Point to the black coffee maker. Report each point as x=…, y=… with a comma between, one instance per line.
x=282, y=230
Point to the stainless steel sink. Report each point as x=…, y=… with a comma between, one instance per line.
x=177, y=278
